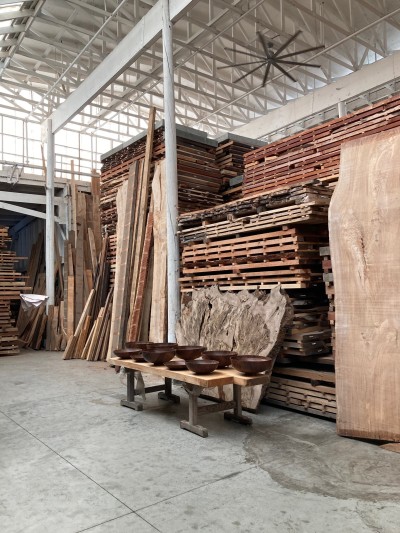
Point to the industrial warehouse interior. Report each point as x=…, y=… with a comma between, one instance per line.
x=199, y=266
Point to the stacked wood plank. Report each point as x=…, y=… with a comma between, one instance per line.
x=308, y=390
x=255, y=250
x=315, y=153
x=199, y=177
x=12, y=283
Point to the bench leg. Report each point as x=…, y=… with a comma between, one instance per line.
x=237, y=416
x=130, y=392
x=191, y=425
x=167, y=394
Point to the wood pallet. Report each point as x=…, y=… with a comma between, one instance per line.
x=315, y=153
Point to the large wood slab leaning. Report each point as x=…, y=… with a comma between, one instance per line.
x=250, y=324
x=364, y=223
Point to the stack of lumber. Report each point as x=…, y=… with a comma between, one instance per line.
x=315, y=153
x=289, y=256
x=229, y=158
x=199, y=177
x=251, y=244
x=12, y=283
x=325, y=253
x=309, y=335
x=35, y=325
x=308, y=390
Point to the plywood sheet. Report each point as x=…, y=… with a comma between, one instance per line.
x=364, y=224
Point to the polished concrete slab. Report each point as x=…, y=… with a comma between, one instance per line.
x=72, y=460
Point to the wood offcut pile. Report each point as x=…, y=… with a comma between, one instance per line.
x=314, y=154
x=12, y=283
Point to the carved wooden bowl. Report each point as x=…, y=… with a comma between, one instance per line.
x=188, y=353
x=176, y=364
x=222, y=356
x=141, y=345
x=251, y=364
x=159, y=357
x=202, y=366
x=129, y=353
x=162, y=346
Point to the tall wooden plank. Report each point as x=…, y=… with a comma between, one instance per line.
x=158, y=316
x=364, y=224
x=120, y=308
x=95, y=186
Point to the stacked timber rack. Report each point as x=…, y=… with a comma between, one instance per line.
x=325, y=253
x=12, y=283
x=256, y=250
x=315, y=153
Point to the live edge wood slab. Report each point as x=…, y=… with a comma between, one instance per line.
x=194, y=385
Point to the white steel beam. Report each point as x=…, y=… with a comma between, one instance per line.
x=25, y=198
x=145, y=33
x=25, y=211
x=50, y=255
x=369, y=78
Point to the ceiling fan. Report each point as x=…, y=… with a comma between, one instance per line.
x=273, y=58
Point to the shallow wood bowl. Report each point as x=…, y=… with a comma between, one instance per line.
x=140, y=345
x=251, y=364
x=222, y=356
x=161, y=346
x=188, y=353
x=202, y=366
x=126, y=353
x=159, y=357
x=176, y=364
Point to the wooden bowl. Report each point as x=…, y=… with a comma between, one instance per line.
x=222, y=356
x=140, y=345
x=251, y=364
x=161, y=346
x=137, y=355
x=176, y=364
x=188, y=353
x=159, y=357
x=126, y=353
x=202, y=366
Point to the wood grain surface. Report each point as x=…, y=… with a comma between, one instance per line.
x=364, y=224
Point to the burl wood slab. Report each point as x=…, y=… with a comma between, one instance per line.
x=248, y=323
x=364, y=225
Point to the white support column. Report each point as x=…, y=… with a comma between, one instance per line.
x=50, y=277
x=171, y=173
x=341, y=109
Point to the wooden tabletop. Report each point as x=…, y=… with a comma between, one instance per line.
x=223, y=376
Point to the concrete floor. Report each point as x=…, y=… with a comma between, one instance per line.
x=72, y=459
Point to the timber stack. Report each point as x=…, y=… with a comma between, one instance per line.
x=12, y=283
x=314, y=154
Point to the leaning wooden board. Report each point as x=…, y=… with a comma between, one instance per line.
x=364, y=223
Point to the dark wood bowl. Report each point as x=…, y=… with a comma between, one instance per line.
x=161, y=346
x=202, y=366
x=159, y=357
x=140, y=345
x=127, y=353
x=222, y=356
x=176, y=364
x=188, y=353
x=251, y=364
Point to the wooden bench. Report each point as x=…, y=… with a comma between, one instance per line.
x=194, y=385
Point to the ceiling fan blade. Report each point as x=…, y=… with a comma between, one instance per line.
x=264, y=44
x=303, y=51
x=242, y=64
x=284, y=72
x=266, y=74
x=247, y=53
x=247, y=74
x=286, y=44
x=304, y=63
